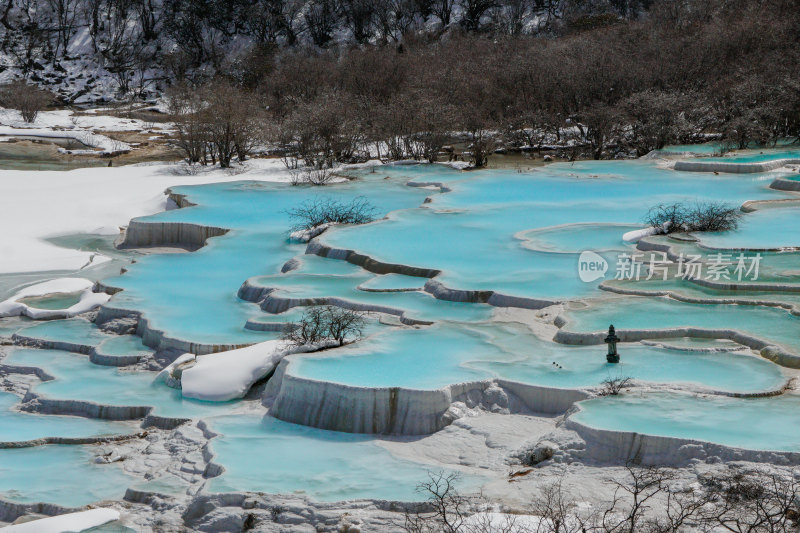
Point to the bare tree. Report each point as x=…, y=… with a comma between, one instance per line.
x=613, y=386
x=699, y=216
x=216, y=122
x=311, y=176
x=631, y=501
x=26, y=98
x=752, y=501
x=326, y=323
x=558, y=512
x=325, y=210
x=474, y=11
x=321, y=21
x=185, y=108
x=448, y=508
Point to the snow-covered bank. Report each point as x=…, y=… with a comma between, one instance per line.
x=35, y=206
x=100, y=143
x=223, y=376
x=229, y=375
x=67, y=522
x=82, y=288
x=68, y=125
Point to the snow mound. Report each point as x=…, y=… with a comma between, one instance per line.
x=638, y=234
x=305, y=235
x=224, y=376
x=87, y=301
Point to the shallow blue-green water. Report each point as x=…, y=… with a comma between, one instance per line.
x=77, y=379
x=267, y=455
x=18, y=426
x=61, y=474
x=764, y=229
x=766, y=323
x=758, y=156
x=193, y=296
x=72, y=330
x=517, y=233
x=758, y=423
x=437, y=356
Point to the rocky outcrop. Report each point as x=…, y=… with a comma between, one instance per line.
x=97, y=357
x=270, y=300
x=10, y=511
x=47, y=344
x=432, y=286
x=496, y=299
x=791, y=308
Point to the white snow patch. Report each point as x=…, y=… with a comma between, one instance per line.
x=167, y=370
x=458, y=165
x=224, y=376
x=88, y=299
x=37, y=205
x=306, y=235
x=66, y=522
x=638, y=234
x=509, y=523
x=104, y=145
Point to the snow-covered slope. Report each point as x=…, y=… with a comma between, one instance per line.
x=99, y=201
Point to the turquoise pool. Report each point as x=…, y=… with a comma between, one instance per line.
x=518, y=233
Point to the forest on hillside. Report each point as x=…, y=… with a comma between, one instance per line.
x=332, y=81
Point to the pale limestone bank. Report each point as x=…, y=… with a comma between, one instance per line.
x=402, y=411
x=732, y=168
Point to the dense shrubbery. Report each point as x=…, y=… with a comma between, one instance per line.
x=699, y=216
x=688, y=70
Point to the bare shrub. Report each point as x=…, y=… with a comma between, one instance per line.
x=326, y=210
x=326, y=323
x=560, y=513
x=447, y=507
x=311, y=176
x=613, y=386
x=700, y=216
x=752, y=501
x=646, y=500
x=26, y=98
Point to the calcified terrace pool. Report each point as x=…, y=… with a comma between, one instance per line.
x=470, y=277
